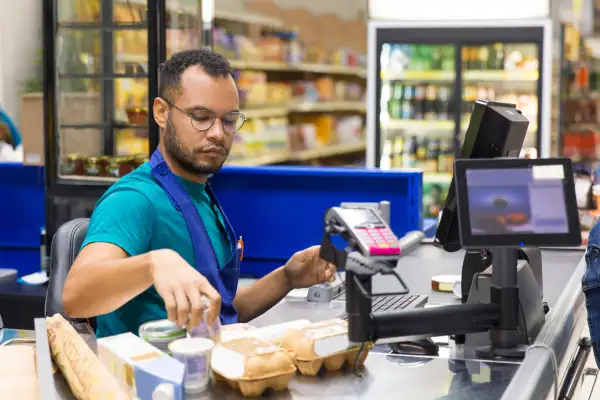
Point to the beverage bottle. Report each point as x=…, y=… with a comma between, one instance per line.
x=398, y=100
x=408, y=111
x=433, y=155
x=436, y=58
x=430, y=102
x=499, y=54
x=419, y=102
x=483, y=56
x=473, y=63
x=448, y=58
x=410, y=152
x=422, y=149
x=443, y=103
x=398, y=150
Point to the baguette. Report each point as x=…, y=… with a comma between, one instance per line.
x=86, y=375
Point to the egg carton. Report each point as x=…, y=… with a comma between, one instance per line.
x=326, y=344
x=252, y=365
x=334, y=362
x=256, y=387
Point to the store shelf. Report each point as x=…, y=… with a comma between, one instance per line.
x=267, y=159
x=358, y=106
x=305, y=108
x=301, y=156
x=328, y=151
x=515, y=76
x=418, y=75
x=248, y=18
x=419, y=125
x=305, y=67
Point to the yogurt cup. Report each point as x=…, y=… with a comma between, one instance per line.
x=194, y=354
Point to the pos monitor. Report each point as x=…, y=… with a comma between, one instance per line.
x=515, y=203
x=495, y=130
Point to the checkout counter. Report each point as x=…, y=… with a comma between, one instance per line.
x=449, y=375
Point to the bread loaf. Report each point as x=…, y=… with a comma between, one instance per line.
x=83, y=371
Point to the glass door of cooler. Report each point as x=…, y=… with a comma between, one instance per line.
x=504, y=72
x=417, y=122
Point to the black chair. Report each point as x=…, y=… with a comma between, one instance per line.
x=65, y=246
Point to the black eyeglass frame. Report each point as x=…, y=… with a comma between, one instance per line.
x=193, y=118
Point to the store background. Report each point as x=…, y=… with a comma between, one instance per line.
x=325, y=107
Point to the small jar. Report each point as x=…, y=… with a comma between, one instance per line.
x=69, y=165
x=93, y=166
x=119, y=167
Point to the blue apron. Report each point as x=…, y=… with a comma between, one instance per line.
x=225, y=281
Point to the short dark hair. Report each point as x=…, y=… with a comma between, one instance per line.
x=171, y=70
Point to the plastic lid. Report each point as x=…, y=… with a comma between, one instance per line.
x=164, y=391
x=191, y=346
x=161, y=329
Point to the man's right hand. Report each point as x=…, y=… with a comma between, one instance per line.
x=181, y=286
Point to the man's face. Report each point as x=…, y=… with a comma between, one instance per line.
x=200, y=152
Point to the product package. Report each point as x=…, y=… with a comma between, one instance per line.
x=252, y=365
x=324, y=343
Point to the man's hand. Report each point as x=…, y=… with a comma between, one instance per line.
x=306, y=268
x=182, y=287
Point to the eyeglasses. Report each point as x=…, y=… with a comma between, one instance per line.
x=203, y=120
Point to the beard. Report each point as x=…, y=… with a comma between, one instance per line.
x=185, y=157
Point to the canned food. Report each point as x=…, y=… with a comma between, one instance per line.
x=160, y=333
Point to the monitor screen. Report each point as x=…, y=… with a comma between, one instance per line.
x=517, y=202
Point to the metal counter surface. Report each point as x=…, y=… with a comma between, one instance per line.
x=416, y=269
x=392, y=376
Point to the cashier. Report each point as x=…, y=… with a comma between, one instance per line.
x=158, y=241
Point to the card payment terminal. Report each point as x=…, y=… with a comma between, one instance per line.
x=369, y=231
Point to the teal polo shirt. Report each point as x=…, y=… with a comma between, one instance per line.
x=137, y=215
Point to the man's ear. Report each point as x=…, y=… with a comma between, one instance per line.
x=161, y=112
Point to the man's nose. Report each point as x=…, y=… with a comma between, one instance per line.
x=216, y=131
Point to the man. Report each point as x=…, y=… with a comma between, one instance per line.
x=158, y=241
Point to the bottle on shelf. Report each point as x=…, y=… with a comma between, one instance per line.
x=433, y=155
x=409, y=158
x=436, y=58
x=483, y=56
x=443, y=103
x=398, y=151
x=431, y=95
x=419, y=102
x=473, y=56
x=408, y=110
x=447, y=58
x=498, y=59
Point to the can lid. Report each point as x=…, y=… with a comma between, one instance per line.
x=164, y=391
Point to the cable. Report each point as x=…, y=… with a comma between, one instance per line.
x=358, y=356
x=554, y=363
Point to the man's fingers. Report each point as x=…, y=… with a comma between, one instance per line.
x=197, y=305
x=215, y=301
x=171, y=306
x=183, y=307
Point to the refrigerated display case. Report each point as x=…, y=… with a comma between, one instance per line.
x=423, y=80
x=100, y=72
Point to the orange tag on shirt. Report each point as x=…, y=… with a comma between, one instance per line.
x=240, y=246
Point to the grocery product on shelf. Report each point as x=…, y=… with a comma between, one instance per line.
x=432, y=155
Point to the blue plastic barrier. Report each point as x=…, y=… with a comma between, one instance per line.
x=277, y=210
x=280, y=210
x=22, y=216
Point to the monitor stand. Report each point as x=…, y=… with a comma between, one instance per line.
x=512, y=285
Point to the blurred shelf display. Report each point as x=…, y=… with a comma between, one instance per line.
x=422, y=112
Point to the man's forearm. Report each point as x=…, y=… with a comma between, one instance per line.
x=254, y=300
x=102, y=287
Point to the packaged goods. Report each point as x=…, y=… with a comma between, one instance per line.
x=160, y=333
x=323, y=343
x=83, y=371
x=272, y=333
x=252, y=365
x=195, y=355
x=122, y=353
x=18, y=375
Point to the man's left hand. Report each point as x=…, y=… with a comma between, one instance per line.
x=306, y=268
